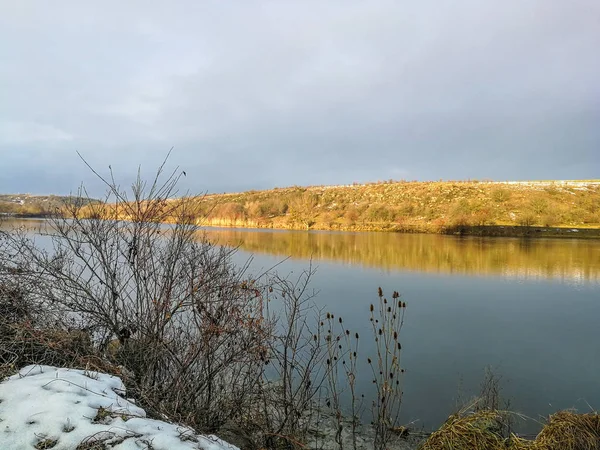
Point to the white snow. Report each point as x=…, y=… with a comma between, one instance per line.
x=43, y=404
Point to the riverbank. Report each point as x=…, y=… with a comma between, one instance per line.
x=460, y=230
x=526, y=232
x=464, y=230
x=36, y=206
x=46, y=407
x=470, y=208
x=25, y=216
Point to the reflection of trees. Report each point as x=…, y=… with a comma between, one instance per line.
x=525, y=245
x=526, y=258
x=569, y=259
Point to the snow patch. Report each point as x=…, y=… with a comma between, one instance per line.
x=48, y=407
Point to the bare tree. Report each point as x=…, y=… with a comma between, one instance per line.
x=302, y=209
x=134, y=270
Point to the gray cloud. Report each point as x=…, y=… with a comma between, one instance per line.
x=257, y=94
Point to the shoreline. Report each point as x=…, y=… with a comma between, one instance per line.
x=509, y=231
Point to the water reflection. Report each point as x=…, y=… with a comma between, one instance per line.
x=573, y=261
x=569, y=260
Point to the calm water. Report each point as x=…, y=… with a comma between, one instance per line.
x=529, y=308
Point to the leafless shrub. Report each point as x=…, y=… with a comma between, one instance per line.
x=295, y=369
x=133, y=269
x=343, y=362
x=387, y=319
x=13, y=303
x=490, y=398
x=130, y=283
x=490, y=388
x=342, y=396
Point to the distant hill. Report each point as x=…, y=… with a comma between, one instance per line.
x=27, y=205
x=439, y=206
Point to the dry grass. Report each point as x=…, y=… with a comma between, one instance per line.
x=46, y=444
x=566, y=430
x=24, y=342
x=517, y=443
x=469, y=431
x=481, y=430
x=438, y=207
x=26, y=338
x=21, y=344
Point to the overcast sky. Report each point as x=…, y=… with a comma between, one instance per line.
x=258, y=94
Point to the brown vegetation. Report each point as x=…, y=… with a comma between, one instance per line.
x=486, y=424
x=198, y=339
x=436, y=207
x=481, y=430
x=204, y=343
x=26, y=205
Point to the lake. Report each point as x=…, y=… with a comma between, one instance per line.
x=528, y=308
